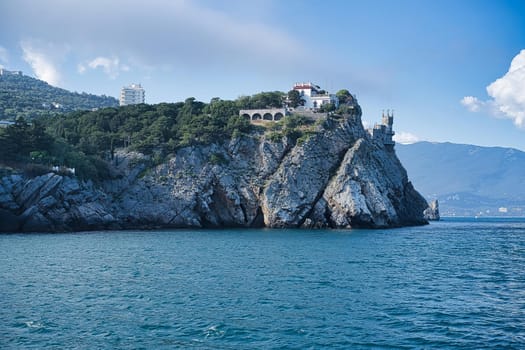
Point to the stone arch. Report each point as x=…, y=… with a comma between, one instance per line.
x=267, y=116
x=278, y=116
x=247, y=116
x=256, y=116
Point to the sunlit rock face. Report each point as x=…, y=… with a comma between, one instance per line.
x=338, y=177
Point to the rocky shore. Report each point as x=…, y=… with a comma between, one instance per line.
x=338, y=177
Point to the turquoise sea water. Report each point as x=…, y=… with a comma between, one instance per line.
x=453, y=284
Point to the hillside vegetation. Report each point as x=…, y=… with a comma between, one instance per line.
x=86, y=140
x=30, y=98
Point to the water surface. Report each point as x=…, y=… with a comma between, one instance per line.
x=453, y=284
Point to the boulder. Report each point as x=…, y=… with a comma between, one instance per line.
x=432, y=212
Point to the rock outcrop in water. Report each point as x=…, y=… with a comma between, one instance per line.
x=338, y=177
x=432, y=212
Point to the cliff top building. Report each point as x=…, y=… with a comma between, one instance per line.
x=10, y=72
x=131, y=95
x=314, y=97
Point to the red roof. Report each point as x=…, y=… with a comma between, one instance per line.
x=305, y=86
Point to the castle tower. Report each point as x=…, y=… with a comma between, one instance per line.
x=388, y=121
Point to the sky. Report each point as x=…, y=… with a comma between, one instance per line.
x=452, y=70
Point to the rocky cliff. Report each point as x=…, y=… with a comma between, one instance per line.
x=337, y=177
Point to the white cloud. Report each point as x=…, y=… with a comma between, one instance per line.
x=3, y=56
x=110, y=66
x=81, y=68
x=508, y=91
x=178, y=33
x=507, y=94
x=41, y=63
x=472, y=103
x=405, y=138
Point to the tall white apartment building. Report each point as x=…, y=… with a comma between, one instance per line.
x=131, y=95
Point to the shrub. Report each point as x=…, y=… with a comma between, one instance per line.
x=275, y=136
x=217, y=159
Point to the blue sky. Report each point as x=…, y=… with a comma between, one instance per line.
x=443, y=66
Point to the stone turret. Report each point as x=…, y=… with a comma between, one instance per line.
x=388, y=120
x=384, y=132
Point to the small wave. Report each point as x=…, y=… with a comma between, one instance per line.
x=34, y=324
x=155, y=326
x=213, y=331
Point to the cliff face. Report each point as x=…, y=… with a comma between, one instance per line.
x=338, y=177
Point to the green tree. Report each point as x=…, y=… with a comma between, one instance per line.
x=344, y=96
x=38, y=138
x=295, y=99
x=243, y=102
x=327, y=107
x=16, y=141
x=218, y=108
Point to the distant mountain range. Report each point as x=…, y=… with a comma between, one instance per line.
x=467, y=180
x=24, y=96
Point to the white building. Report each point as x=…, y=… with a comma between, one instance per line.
x=10, y=72
x=131, y=95
x=314, y=97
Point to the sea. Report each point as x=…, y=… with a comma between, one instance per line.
x=454, y=284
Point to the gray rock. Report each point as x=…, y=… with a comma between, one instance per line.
x=7, y=200
x=37, y=222
x=9, y=222
x=46, y=203
x=303, y=174
x=432, y=212
x=371, y=189
x=37, y=188
x=338, y=177
x=69, y=187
